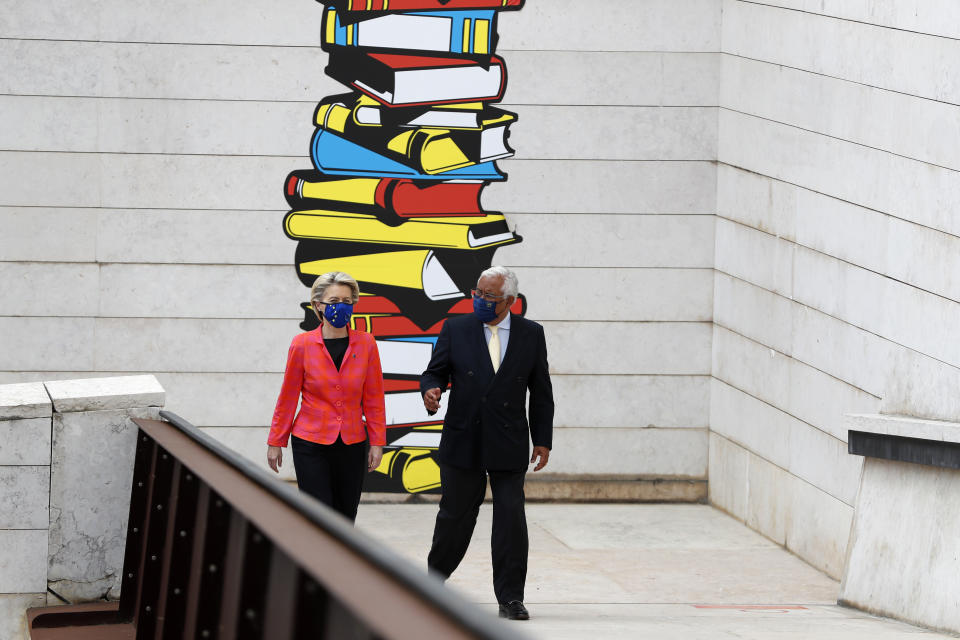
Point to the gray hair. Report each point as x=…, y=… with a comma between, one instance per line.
x=327, y=280
x=511, y=287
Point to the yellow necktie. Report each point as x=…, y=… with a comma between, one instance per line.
x=494, y=346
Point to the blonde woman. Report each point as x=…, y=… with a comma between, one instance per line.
x=340, y=429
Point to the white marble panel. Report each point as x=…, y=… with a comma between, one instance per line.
x=768, y=501
x=679, y=348
x=871, y=55
x=36, y=344
x=615, y=133
x=823, y=461
x=662, y=453
x=905, y=516
x=666, y=24
x=193, y=345
x=169, y=71
x=23, y=561
x=844, y=230
x=751, y=367
x=49, y=235
x=914, y=127
x=90, y=479
x=908, y=189
x=282, y=128
x=628, y=78
x=753, y=312
x=129, y=181
x=101, y=394
x=728, y=476
x=597, y=240
x=936, y=17
x=196, y=237
x=24, y=400
x=24, y=497
x=251, y=443
x=901, y=313
x=755, y=256
x=654, y=25
x=581, y=186
x=25, y=441
x=50, y=289
x=799, y=389
x=817, y=526
x=13, y=613
x=628, y=402
x=757, y=201
x=924, y=257
x=200, y=291
x=750, y=423
x=617, y=294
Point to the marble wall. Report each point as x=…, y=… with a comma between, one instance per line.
x=141, y=206
x=66, y=463
x=837, y=284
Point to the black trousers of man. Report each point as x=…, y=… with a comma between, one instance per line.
x=463, y=493
x=331, y=473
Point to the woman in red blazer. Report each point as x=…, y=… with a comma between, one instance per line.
x=340, y=429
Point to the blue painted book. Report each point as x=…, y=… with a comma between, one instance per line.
x=336, y=156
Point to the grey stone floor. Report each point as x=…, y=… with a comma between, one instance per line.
x=612, y=572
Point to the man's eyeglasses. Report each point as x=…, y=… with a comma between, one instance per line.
x=489, y=297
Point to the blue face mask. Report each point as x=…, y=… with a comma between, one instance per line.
x=338, y=313
x=485, y=310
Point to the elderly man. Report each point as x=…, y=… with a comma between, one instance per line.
x=491, y=358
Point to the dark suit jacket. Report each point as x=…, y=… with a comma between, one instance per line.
x=486, y=425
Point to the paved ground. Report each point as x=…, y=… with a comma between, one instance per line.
x=612, y=572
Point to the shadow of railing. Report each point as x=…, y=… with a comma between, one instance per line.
x=217, y=548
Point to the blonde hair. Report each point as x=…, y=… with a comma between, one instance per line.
x=322, y=283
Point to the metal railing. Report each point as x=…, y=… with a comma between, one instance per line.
x=219, y=549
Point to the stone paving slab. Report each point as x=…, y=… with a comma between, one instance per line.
x=625, y=571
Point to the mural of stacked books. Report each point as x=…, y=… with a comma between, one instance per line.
x=393, y=198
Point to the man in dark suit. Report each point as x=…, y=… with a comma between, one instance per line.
x=491, y=358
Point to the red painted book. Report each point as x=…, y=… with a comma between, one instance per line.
x=421, y=5
x=404, y=80
x=394, y=196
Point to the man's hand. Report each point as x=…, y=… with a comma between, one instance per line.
x=431, y=399
x=374, y=457
x=275, y=458
x=540, y=452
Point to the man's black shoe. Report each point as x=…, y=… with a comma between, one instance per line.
x=514, y=610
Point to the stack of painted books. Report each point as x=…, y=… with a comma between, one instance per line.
x=393, y=198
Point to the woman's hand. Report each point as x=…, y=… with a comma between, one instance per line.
x=275, y=458
x=374, y=457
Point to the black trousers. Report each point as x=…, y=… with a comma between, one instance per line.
x=462, y=494
x=331, y=473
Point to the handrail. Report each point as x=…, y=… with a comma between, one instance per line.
x=218, y=548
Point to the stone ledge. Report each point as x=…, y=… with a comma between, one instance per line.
x=905, y=439
x=98, y=394
x=904, y=426
x=24, y=400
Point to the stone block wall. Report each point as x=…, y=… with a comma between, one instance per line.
x=140, y=206
x=66, y=460
x=837, y=285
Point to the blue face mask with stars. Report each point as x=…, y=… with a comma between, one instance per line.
x=338, y=313
x=485, y=310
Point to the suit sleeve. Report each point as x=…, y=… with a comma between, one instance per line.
x=374, y=406
x=437, y=373
x=541, y=397
x=286, y=408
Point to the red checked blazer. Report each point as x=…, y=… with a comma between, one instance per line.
x=334, y=402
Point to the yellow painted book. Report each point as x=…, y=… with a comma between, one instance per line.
x=462, y=232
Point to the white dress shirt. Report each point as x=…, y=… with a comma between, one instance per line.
x=503, y=334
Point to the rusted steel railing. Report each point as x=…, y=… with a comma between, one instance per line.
x=218, y=549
